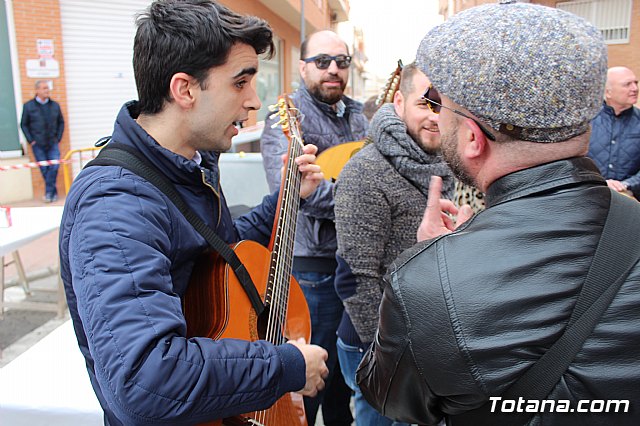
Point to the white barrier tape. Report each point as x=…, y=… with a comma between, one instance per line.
x=33, y=165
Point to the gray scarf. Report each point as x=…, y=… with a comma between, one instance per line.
x=389, y=135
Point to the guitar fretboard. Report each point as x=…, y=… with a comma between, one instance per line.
x=285, y=230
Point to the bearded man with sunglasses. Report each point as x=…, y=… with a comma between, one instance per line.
x=329, y=118
x=466, y=312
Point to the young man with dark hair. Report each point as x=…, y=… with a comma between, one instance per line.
x=127, y=252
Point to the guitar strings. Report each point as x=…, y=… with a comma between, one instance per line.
x=284, y=241
x=282, y=255
x=284, y=265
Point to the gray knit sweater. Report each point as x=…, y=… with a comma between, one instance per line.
x=380, y=198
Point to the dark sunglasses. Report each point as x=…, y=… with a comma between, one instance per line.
x=324, y=61
x=433, y=101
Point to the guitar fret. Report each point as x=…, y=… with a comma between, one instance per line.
x=284, y=235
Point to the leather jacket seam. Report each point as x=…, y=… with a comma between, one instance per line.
x=455, y=324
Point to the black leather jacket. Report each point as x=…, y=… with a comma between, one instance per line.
x=464, y=315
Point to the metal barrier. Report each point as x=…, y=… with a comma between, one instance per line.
x=70, y=159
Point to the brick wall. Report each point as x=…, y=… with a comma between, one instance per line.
x=40, y=19
x=628, y=55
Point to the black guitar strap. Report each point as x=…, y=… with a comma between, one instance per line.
x=117, y=154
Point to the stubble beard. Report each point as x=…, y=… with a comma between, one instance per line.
x=450, y=154
x=422, y=144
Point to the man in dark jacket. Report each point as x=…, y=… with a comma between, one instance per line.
x=42, y=124
x=615, y=133
x=467, y=311
x=127, y=253
x=330, y=118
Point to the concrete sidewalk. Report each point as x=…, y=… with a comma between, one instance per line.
x=20, y=329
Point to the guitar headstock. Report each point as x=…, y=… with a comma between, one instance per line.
x=289, y=118
x=390, y=89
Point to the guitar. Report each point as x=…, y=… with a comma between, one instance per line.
x=217, y=306
x=333, y=159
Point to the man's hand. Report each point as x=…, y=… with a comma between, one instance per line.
x=616, y=185
x=440, y=213
x=314, y=359
x=311, y=173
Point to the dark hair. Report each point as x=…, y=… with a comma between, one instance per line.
x=305, y=42
x=406, y=78
x=189, y=36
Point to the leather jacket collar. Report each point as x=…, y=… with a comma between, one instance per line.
x=567, y=172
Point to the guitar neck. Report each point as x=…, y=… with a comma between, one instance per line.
x=284, y=231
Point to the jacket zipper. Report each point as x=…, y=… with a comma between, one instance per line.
x=204, y=181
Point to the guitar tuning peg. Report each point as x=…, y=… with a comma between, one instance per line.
x=273, y=107
x=282, y=122
x=274, y=115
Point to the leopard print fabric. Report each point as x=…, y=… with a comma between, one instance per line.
x=467, y=194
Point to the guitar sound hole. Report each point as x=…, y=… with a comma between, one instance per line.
x=263, y=321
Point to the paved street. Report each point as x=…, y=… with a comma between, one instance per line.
x=20, y=329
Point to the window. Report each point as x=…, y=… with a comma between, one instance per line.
x=612, y=17
x=269, y=81
x=294, y=72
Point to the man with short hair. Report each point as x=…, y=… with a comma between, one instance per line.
x=329, y=118
x=380, y=199
x=127, y=252
x=615, y=133
x=42, y=124
x=467, y=311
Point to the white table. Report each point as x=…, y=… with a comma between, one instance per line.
x=29, y=224
x=48, y=385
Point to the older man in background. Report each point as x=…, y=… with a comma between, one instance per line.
x=615, y=133
x=42, y=124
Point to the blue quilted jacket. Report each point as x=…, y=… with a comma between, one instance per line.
x=126, y=256
x=615, y=146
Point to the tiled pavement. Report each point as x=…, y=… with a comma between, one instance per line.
x=19, y=328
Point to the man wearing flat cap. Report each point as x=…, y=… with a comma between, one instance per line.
x=478, y=301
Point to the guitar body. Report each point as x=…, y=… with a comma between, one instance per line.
x=217, y=306
x=333, y=159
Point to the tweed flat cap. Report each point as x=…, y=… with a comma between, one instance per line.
x=532, y=72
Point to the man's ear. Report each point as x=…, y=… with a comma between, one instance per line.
x=182, y=87
x=475, y=141
x=398, y=103
x=607, y=93
x=302, y=68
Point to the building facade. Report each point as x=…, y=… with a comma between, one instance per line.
x=84, y=49
x=618, y=20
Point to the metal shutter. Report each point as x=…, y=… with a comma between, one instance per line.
x=98, y=48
